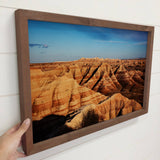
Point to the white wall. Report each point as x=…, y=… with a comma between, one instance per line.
x=135, y=139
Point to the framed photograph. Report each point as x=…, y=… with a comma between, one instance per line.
x=79, y=75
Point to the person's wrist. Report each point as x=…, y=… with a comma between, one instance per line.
x=3, y=154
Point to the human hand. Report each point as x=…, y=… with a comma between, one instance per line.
x=11, y=140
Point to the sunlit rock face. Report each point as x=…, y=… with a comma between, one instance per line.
x=89, y=87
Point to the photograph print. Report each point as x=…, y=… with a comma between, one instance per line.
x=82, y=75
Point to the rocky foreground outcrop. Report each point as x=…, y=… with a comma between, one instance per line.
x=109, y=109
x=55, y=125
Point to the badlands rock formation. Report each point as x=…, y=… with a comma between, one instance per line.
x=61, y=97
x=103, y=88
x=109, y=109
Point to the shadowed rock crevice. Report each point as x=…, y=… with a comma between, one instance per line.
x=90, y=118
x=93, y=73
x=48, y=127
x=87, y=71
x=100, y=78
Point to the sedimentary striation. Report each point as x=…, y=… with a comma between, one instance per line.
x=109, y=109
x=103, y=88
x=61, y=97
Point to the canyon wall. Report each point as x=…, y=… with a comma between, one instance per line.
x=106, y=87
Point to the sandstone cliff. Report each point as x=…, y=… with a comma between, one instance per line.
x=109, y=109
x=62, y=87
x=61, y=97
x=72, y=95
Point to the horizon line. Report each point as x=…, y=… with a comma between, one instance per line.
x=88, y=58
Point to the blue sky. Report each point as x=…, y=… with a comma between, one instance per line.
x=50, y=42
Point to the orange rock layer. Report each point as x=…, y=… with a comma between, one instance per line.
x=61, y=88
x=61, y=97
x=109, y=109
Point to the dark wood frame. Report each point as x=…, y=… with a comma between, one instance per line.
x=22, y=17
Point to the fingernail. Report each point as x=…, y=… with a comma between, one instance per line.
x=27, y=121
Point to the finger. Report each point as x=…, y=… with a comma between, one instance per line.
x=20, y=154
x=13, y=129
x=23, y=128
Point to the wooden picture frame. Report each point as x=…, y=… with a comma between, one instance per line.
x=22, y=17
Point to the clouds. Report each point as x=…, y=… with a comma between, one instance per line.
x=123, y=42
x=38, y=45
x=111, y=34
x=111, y=41
x=129, y=35
x=95, y=33
x=50, y=42
x=141, y=43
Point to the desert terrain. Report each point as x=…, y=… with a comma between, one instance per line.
x=67, y=96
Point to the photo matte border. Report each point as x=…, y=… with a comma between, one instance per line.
x=22, y=17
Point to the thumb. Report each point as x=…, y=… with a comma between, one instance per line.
x=24, y=127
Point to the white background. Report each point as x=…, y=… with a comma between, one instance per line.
x=136, y=139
